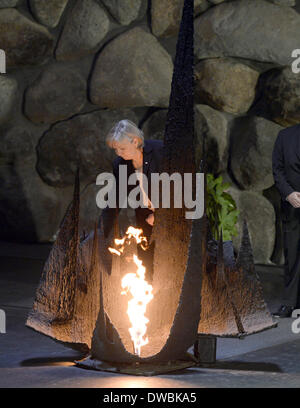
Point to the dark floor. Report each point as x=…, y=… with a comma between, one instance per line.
x=29, y=359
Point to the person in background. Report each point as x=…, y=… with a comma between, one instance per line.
x=286, y=172
x=138, y=155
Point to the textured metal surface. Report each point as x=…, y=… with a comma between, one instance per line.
x=138, y=369
x=183, y=330
x=232, y=296
x=178, y=243
x=60, y=271
x=205, y=349
x=67, y=298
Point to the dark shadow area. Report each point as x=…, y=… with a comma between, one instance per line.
x=231, y=365
x=272, y=194
x=51, y=361
x=235, y=132
x=16, y=220
x=244, y=366
x=261, y=106
x=12, y=269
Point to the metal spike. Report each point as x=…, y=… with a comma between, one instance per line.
x=84, y=273
x=101, y=321
x=67, y=243
x=229, y=258
x=245, y=257
x=220, y=275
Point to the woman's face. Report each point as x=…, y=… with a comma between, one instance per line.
x=126, y=149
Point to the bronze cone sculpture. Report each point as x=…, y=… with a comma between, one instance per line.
x=198, y=285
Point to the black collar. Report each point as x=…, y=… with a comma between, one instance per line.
x=147, y=147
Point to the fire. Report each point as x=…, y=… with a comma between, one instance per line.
x=139, y=289
x=130, y=233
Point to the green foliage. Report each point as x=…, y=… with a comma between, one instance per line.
x=221, y=208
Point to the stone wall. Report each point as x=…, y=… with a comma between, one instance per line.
x=74, y=68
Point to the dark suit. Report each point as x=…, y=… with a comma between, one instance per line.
x=286, y=172
x=152, y=158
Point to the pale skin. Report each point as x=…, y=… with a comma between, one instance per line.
x=130, y=151
x=294, y=199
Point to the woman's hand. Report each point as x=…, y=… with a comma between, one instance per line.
x=294, y=199
x=150, y=219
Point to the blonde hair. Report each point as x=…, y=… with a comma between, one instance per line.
x=125, y=129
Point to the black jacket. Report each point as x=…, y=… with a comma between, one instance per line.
x=286, y=161
x=152, y=159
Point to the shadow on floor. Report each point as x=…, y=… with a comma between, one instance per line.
x=244, y=366
x=50, y=361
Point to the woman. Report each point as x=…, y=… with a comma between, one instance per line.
x=138, y=155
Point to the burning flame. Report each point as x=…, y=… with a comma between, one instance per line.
x=138, y=287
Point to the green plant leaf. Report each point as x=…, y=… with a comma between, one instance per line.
x=221, y=208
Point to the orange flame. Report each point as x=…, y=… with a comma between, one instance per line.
x=138, y=287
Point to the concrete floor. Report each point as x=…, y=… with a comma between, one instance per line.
x=29, y=359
